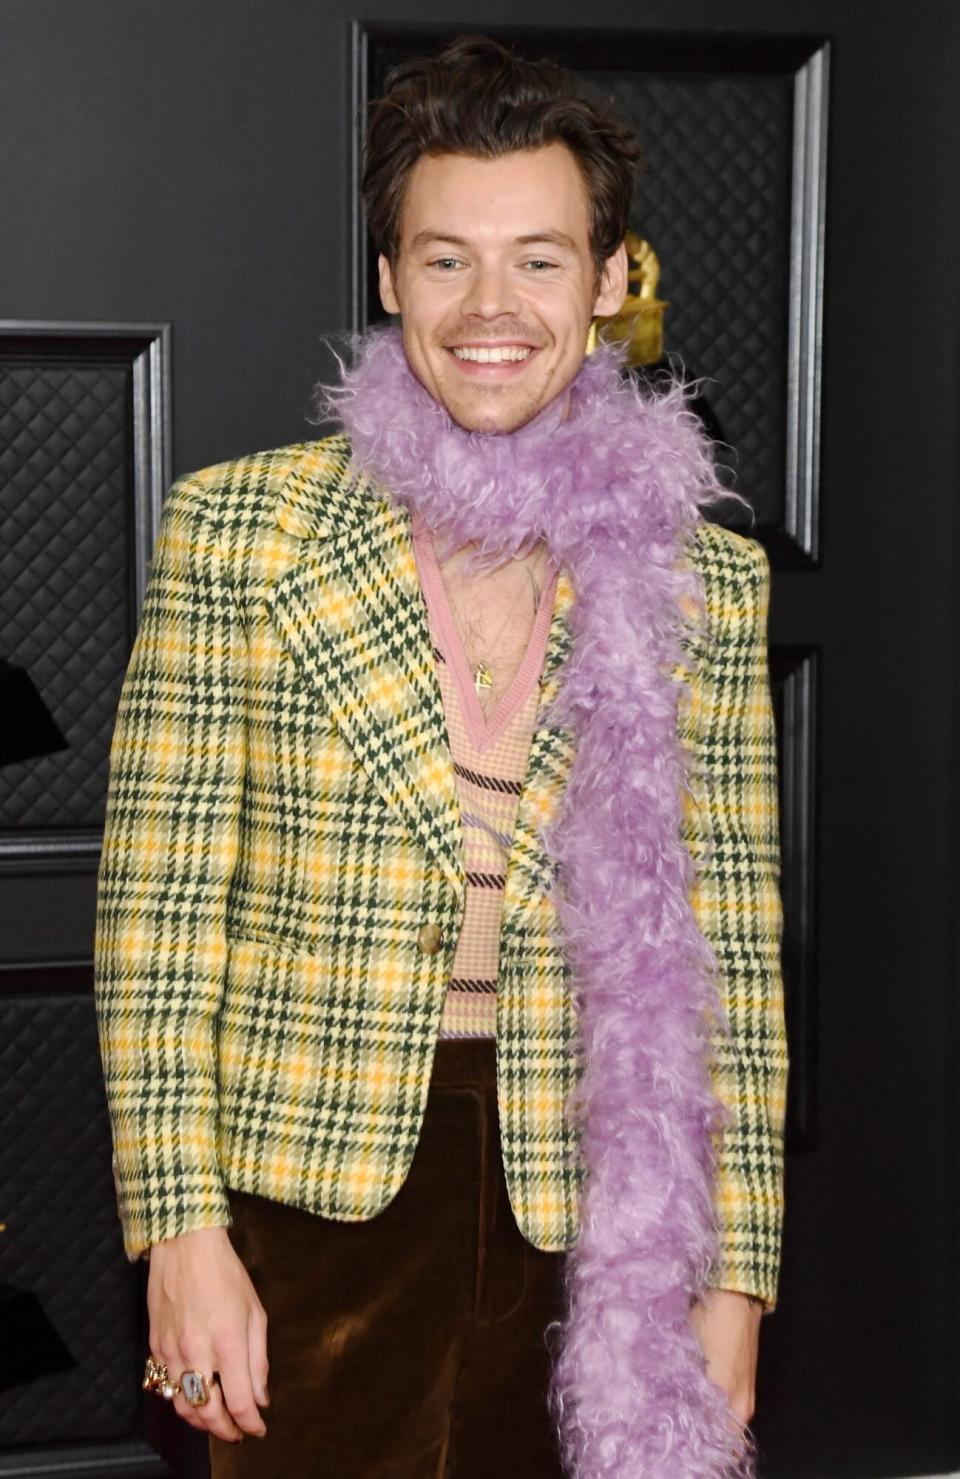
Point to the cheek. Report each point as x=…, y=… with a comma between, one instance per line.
x=419, y=362
x=564, y=307
x=428, y=305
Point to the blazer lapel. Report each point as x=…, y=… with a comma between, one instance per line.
x=529, y=868
x=351, y=613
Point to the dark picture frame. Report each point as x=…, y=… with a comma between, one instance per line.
x=85, y=461
x=795, y=675
x=755, y=310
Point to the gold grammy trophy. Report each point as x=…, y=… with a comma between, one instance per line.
x=639, y=324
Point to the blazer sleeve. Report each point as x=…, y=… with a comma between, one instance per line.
x=177, y=765
x=737, y=901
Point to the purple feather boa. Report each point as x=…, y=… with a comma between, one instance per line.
x=614, y=481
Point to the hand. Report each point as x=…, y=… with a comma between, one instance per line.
x=205, y=1314
x=727, y=1324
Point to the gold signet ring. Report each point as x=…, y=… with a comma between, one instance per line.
x=195, y=1388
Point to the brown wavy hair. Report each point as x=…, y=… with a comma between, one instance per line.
x=477, y=98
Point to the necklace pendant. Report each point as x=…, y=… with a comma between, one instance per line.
x=482, y=677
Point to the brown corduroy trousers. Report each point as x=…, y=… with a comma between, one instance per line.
x=411, y=1346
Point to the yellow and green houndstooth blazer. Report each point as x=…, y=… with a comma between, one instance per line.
x=282, y=822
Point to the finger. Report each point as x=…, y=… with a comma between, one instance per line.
x=211, y=1418
x=233, y=1365
x=257, y=1347
x=165, y=1349
x=188, y=1414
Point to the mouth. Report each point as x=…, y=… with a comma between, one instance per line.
x=492, y=361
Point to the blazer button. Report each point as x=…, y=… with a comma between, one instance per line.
x=430, y=938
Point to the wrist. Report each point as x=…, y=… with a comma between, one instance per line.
x=195, y=1238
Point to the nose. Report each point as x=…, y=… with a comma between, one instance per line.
x=489, y=291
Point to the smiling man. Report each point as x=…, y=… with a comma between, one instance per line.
x=494, y=317
x=437, y=950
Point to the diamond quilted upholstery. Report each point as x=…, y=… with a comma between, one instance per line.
x=62, y=1238
x=66, y=608
x=715, y=204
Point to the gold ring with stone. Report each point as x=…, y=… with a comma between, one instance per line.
x=156, y=1379
x=154, y=1374
x=195, y=1387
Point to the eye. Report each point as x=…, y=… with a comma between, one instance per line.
x=539, y=264
x=445, y=263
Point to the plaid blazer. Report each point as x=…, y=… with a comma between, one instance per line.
x=282, y=822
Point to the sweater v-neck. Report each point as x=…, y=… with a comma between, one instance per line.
x=482, y=729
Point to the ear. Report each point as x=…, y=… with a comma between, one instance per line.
x=388, y=293
x=613, y=284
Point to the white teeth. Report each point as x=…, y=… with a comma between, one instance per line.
x=494, y=356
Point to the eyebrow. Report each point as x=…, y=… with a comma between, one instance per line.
x=554, y=238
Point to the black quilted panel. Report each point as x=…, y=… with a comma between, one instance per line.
x=715, y=204
x=62, y=1238
x=65, y=573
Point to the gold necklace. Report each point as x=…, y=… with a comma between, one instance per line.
x=482, y=678
x=482, y=672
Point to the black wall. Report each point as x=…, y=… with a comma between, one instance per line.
x=189, y=161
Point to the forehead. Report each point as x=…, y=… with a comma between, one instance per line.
x=529, y=192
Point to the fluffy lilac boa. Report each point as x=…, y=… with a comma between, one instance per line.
x=616, y=489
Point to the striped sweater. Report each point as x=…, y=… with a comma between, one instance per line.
x=490, y=755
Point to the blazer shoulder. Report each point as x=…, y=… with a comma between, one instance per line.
x=302, y=488
x=733, y=569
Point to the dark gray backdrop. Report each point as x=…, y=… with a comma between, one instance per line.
x=188, y=161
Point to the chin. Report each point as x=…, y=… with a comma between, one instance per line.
x=484, y=421
x=490, y=418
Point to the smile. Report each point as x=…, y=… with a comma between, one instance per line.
x=499, y=355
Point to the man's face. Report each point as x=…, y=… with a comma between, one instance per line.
x=495, y=282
